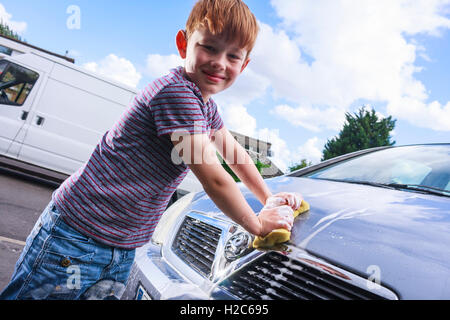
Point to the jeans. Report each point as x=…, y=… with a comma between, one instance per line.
x=58, y=262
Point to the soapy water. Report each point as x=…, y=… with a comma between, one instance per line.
x=274, y=279
x=331, y=218
x=286, y=271
x=289, y=264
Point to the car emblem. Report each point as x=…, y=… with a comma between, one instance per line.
x=237, y=246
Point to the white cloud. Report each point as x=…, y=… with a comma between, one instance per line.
x=277, y=58
x=248, y=87
x=432, y=115
x=16, y=26
x=284, y=157
x=311, y=150
x=237, y=118
x=159, y=65
x=326, y=57
x=119, y=69
x=312, y=118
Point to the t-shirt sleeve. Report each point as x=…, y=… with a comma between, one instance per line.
x=216, y=119
x=177, y=109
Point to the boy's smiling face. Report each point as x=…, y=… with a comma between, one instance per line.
x=211, y=61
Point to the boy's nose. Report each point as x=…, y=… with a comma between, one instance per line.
x=218, y=62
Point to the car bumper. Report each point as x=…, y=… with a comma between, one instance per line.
x=152, y=277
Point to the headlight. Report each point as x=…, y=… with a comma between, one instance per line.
x=169, y=217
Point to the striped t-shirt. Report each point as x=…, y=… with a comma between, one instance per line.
x=119, y=195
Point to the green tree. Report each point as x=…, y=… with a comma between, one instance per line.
x=7, y=31
x=302, y=164
x=259, y=165
x=361, y=131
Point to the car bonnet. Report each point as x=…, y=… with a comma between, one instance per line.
x=403, y=235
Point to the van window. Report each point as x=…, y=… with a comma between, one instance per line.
x=16, y=83
x=5, y=50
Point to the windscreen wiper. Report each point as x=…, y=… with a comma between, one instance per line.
x=398, y=186
x=404, y=186
x=366, y=183
x=420, y=188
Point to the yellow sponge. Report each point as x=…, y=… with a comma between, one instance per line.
x=278, y=235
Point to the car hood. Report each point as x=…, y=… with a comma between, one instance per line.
x=399, y=237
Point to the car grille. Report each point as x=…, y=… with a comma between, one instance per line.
x=275, y=276
x=196, y=243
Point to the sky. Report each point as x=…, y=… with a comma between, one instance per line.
x=313, y=62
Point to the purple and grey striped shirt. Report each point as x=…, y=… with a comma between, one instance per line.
x=119, y=195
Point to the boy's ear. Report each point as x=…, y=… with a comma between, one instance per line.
x=244, y=65
x=181, y=43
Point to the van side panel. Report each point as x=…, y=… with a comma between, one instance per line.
x=77, y=109
x=90, y=84
x=83, y=115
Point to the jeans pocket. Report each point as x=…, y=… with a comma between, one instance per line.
x=61, y=271
x=63, y=252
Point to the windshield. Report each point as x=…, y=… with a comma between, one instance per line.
x=411, y=165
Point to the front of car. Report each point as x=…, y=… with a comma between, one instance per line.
x=361, y=239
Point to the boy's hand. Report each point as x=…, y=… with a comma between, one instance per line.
x=275, y=218
x=292, y=199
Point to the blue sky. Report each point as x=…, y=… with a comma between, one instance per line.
x=313, y=61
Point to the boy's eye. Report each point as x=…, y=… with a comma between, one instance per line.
x=234, y=57
x=209, y=48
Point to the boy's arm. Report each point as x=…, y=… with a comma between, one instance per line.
x=242, y=165
x=199, y=154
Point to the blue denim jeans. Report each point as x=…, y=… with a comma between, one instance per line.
x=58, y=262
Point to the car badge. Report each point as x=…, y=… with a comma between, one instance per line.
x=237, y=246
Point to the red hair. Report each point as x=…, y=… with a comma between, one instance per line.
x=232, y=18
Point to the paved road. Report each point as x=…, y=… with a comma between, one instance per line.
x=21, y=203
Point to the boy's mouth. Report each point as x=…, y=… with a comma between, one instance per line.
x=214, y=77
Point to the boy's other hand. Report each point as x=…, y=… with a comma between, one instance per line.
x=292, y=199
x=275, y=218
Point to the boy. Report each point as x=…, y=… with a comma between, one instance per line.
x=111, y=205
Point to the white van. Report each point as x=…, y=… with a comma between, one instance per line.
x=53, y=113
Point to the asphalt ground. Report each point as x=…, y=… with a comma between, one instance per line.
x=22, y=201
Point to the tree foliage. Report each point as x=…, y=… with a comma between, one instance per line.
x=361, y=131
x=302, y=164
x=7, y=31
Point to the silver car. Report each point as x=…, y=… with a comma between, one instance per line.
x=378, y=228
